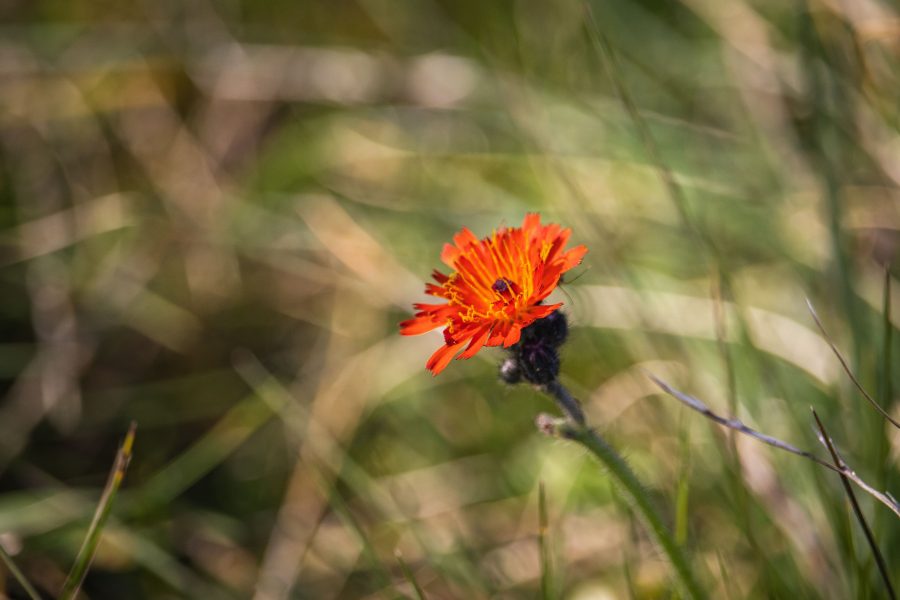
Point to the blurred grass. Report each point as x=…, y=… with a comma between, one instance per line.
x=213, y=215
x=94, y=534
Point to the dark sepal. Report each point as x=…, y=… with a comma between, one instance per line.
x=552, y=329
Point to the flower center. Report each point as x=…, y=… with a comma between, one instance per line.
x=500, y=286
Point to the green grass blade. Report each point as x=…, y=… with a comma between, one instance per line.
x=379, y=573
x=546, y=564
x=219, y=442
x=723, y=575
x=607, y=52
x=18, y=575
x=886, y=396
x=888, y=327
x=681, y=510
x=95, y=531
x=409, y=576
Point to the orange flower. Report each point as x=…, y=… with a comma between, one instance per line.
x=496, y=287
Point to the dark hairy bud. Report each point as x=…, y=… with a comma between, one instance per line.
x=510, y=371
x=539, y=363
x=535, y=357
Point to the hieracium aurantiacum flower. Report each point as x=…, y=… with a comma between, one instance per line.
x=496, y=289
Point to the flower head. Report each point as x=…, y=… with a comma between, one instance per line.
x=496, y=287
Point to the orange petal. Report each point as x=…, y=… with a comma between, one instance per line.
x=449, y=255
x=549, y=281
x=418, y=326
x=557, y=245
x=434, y=290
x=573, y=257
x=515, y=332
x=442, y=357
x=542, y=310
x=464, y=238
x=498, y=334
x=531, y=221
x=476, y=344
x=429, y=307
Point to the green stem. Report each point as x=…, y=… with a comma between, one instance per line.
x=569, y=405
x=574, y=428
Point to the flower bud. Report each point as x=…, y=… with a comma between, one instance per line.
x=539, y=363
x=510, y=371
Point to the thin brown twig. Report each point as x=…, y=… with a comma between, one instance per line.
x=846, y=367
x=839, y=462
x=738, y=426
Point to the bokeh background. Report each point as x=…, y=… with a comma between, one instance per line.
x=215, y=213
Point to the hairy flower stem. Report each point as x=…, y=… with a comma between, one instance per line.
x=573, y=427
x=569, y=405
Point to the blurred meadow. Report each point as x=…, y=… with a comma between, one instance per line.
x=214, y=214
